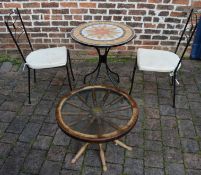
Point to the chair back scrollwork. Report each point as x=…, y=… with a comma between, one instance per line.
x=18, y=32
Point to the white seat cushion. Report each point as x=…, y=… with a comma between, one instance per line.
x=156, y=60
x=47, y=58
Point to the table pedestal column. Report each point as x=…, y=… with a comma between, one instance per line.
x=103, y=60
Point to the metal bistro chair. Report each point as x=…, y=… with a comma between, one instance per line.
x=166, y=61
x=38, y=59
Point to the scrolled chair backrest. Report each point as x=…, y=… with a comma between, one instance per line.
x=17, y=30
x=187, y=33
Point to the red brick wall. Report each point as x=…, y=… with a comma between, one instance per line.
x=156, y=22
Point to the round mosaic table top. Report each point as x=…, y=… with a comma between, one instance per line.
x=102, y=34
x=97, y=113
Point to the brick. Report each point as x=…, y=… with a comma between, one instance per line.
x=165, y=7
x=106, y=5
x=31, y=5
x=183, y=2
x=97, y=11
x=154, y=1
x=12, y=5
x=136, y=12
x=147, y=6
x=87, y=5
x=78, y=11
x=68, y=4
x=60, y=11
x=127, y=6
x=49, y=4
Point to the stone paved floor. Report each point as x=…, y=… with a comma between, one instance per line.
x=164, y=141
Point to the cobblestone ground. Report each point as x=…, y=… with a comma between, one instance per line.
x=165, y=140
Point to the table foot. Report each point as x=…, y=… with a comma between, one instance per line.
x=79, y=153
x=118, y=142
x=102, y=156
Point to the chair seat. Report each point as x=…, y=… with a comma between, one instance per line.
x=47, y=58
x=156, y=60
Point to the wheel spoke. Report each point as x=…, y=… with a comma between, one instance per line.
x=78, y=121
x=76, y=106
x=94, y=97
x=118, y=109
x=83, y=100
x=114, y=101
x=112, y=124
x=76, y=114
x=105, y=97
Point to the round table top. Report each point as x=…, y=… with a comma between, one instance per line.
x=96, y=113
x=102, y=34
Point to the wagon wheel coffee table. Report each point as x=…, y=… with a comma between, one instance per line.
x=103, y=36
x=97, y=114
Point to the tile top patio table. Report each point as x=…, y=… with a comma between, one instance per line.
x=103, y=35
x=97, y=114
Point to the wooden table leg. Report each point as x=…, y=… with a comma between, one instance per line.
x=102, y=156
x=80, y=152
x=118, y=142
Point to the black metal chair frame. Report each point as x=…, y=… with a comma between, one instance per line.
x=12, y=28
x=192, y=20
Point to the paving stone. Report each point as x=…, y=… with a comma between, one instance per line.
x=9, y=138
x=190, y=145
x=16, y=126
x=5, y=148
x=153, y=135
x=69, y=172
x=76, y=166
x=167, y=110
x=91, y=170
x=164, y=93
x=153, y=159
x=181, y=102
x=12, y=106
x=193, y=172
x=154, y=171
x=6, y=67
x=113, y=169
x=168, y=122
x=92, y=158
x=176, y=169
x=37, y=118
x=12, y=166
x=135, y=139
x=151, y=100
x=27, y=110
x=34, y=161
x=20, y=149
x=150, y=87
x=137, y=153
x=7, y=116
x=186, y=128
x=56, y=153
x=183, y=114
x=43, y=108
x=153, y=145
x=192, y=161
x=48, y=129
x=173, y=155
x=61, y=138
x=42, y=142
x=50, y=167
x=3, y=127
x=171, y=138
x=152, y=113
x=30, y=132
x=133, y=167
x=152, y=124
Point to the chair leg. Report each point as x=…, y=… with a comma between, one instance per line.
x=133, y=75
x=69, y=59
x=174, y=89
x=69, y=81
x=29, y=86
x=34, y=76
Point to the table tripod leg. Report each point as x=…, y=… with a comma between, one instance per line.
x=79, y=153
x=118, y=142
x=102, y=156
